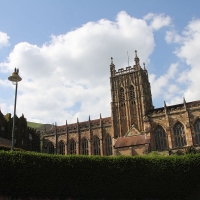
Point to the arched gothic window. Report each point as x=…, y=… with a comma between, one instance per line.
x=61, y=148
x=179, y=135
x=72, y=147
x=84, y=147
x=96, y=146
x=131, y=91
x=108, y=145
x=197, y=131
x=121, y=93
x=50, y=148
x=160, y=138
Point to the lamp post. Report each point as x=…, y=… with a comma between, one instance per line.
x=15, y=78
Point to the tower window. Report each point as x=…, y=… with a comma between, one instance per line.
x=131, y=92
x=122, y=97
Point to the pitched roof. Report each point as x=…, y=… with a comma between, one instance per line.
x=131, y=141
x=189, y=104
x=5, y=142
x=85, y=124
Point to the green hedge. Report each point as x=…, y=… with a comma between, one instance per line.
x=26, y=174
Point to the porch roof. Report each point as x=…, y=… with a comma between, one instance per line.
x=131, y=141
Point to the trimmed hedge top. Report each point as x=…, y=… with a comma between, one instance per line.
x=28, y=174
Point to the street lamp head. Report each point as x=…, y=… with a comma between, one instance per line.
x=15, y=77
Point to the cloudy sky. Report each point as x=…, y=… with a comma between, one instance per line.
x=63, y=48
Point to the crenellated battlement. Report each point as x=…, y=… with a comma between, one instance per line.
x=126, y=70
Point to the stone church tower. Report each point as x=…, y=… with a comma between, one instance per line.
x=130, y=97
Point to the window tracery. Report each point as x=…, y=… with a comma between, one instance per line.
x=108, y=145
x=62, y=148
x=160, y=138
x=84, y=147
x=50, y=148
x=96, y=146
x=179, y=135
x=197, y=131
x=72, y=147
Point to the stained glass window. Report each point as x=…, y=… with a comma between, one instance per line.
x=96, y=146
x=61, y=147
x=160, y=138
x=84, y=147
x=108, y=145
x=197, y=131
x=72, y=147
x=50, y=148
x=179, y=135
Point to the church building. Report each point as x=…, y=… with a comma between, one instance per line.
x=135, y=126
x=25, y=137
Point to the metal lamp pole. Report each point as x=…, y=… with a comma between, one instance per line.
x=15, y=78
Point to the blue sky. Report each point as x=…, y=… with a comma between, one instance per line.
x=63, y=50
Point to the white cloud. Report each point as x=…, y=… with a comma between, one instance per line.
x=182, y=81
x=69, y=76
x=4, y=39
x=173, y=100
x=189, y=52
x=5, y=83
x=149, y=16
x=173, y=89
x=173, y=37
x=160, y=85
x=157, y=20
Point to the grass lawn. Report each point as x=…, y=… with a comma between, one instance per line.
x=34, y=125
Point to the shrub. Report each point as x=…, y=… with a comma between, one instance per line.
x=36, y=175
x=179, y=152
x=190, y=150
x=156, y=153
